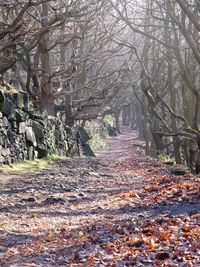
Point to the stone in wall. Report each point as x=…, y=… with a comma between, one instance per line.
x=28, y=134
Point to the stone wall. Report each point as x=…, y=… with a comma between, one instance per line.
x=27, y=134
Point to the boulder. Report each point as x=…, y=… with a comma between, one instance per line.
x=39, y=132
x=82, y=135
x=87, y=151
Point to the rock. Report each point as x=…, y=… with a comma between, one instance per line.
x=31, y=153
x=5, y=152
x=28, y=133
x=26, y=101
x=53, y=200
x=5, y=122
x=65, y=189
x=21, y=115
x=2, y=99
x=30, y=137
x=39, y=132
x=21, y=100
x=74, y=151
x=112, y=131
x=180, y=171
x=170, y=163
x=22, y=127
x=162, y=256
x=18, y=100
x=3, y=248
x=1, y=141
x=38, y=116
x=68, y=130
x=87, y=151
x=4, y=209
x=42, y=151
x=82, y=195
x=116, y=236
x=6, y=105
x=74, y=198
x=1, y=159
x=82, y=135
x=18, y=206
x=42, y=122
x=138, y=243
x=14, y=125
x=29, y=199
x=58, y=108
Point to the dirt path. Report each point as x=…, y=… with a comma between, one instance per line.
x=93, y=212
x=119, y=148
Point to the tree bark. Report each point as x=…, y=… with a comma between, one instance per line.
x=46, y=97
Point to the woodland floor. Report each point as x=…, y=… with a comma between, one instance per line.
x=118, y=209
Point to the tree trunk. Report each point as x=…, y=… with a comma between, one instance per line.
x=117, y=121
x=146, y=129
x=45, y=97
x=124, y=115
x=176, y=140
x=69, y=120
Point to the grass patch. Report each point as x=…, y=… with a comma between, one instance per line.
x=162, y=156
x=28, y=165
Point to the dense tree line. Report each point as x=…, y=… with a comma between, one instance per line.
x=91, y=57
x=60, y=52
x=164, y=42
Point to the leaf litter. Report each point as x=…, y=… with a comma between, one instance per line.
x=121, y=209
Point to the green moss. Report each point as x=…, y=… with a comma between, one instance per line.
x=164, y=157
x=97, y=133
x=24, y=166
x=51, y=117
x=8, y=88
x=108, y=119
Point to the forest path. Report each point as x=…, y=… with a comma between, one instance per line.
x=119, y=209
x=120, y=147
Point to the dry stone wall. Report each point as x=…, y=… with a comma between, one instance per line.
x=27, y=134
